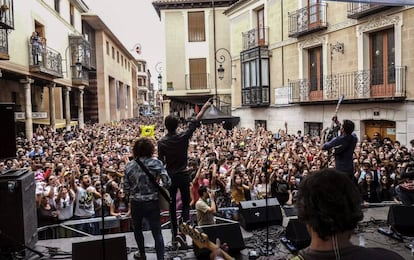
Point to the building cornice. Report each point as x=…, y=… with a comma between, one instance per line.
x=189, y=4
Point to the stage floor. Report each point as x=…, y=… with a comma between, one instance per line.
x=366, y=235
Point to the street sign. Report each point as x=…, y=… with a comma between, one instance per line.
x=383, y=2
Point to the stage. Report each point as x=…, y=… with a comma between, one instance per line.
x=366, y=235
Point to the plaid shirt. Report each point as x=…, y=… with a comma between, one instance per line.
x=138, y=186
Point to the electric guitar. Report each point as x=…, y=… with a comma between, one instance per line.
x=201, y=239
x=333, y=131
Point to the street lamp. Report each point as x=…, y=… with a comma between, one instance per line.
x=78, y=66
x=159, y=82
x=220, y=58
x=220, y=72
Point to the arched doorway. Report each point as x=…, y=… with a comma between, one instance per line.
x=384, y=127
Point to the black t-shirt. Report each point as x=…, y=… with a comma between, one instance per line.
x=350, y=253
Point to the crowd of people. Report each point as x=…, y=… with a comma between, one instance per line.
x=80, y=173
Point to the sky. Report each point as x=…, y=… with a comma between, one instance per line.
x=134, y=22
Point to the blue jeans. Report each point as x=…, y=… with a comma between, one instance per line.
x=182, y=182
x=151, y=212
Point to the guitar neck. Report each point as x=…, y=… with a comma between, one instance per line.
x=201, y=240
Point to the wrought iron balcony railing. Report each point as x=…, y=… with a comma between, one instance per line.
x=365, y=84
x=45, y=60
x=359, y=10
x=80, y=77
x=6, y=14
x=80, y=50
x=4, y=45
x=197, y=81
x=307, y=20
x=256, y=96
x=255, y=37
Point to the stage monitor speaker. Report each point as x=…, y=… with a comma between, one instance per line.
x=7, y=131
x=111, y=248
x=18, y=218
x=228, y=232
x=297, y=233
x=253, y=214
x=400, y=218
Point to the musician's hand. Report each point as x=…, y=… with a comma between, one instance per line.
x=217, y=253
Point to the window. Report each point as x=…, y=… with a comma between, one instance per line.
x=255, y=77
x=72, y=15
x=113, y=53
x=117, y=56
x=382, y=48
x=198, y=75
x=196, y=27
x=57, y=6
x=107, y=47
x=122, y=60
x=261, y=27
x=140, y=82
x=315, y=73
x=139, y=67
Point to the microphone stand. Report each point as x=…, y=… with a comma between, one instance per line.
x=102, y=217
x=267, y=206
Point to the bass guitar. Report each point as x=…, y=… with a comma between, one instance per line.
x=201, y=239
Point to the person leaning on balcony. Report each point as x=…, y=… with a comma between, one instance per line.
x=36, y=42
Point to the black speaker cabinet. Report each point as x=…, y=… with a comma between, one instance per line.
x=228, y=232
x=18, y=218
x=297, y=233
x=111, y=248
x=255, y=213
x=400, y=218
x=7, y=131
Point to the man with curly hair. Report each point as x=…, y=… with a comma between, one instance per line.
x=330, y=206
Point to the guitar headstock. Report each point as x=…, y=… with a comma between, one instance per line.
x=200, y=239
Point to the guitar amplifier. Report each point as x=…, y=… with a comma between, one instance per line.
x=256, y=213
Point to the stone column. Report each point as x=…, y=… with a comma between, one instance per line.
x=166, y=107
x=67, y=107
x=28, y=95
x=81, y=121
x=52, y=112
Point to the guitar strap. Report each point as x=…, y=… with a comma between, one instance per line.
x=152, y=179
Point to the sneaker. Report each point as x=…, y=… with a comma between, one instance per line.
x=181, y=240
x=137, y=255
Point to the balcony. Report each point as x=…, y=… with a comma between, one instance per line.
x=80, y=50
x=45, y=60
x=4, y=45
x=79, y=76
x=258, y=96
x=199, y=82
x=369, y=85
x=307, y=20
x=359, y=10
x=255, y=37
x=6, y=14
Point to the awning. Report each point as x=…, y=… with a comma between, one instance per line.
x=213, y=115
